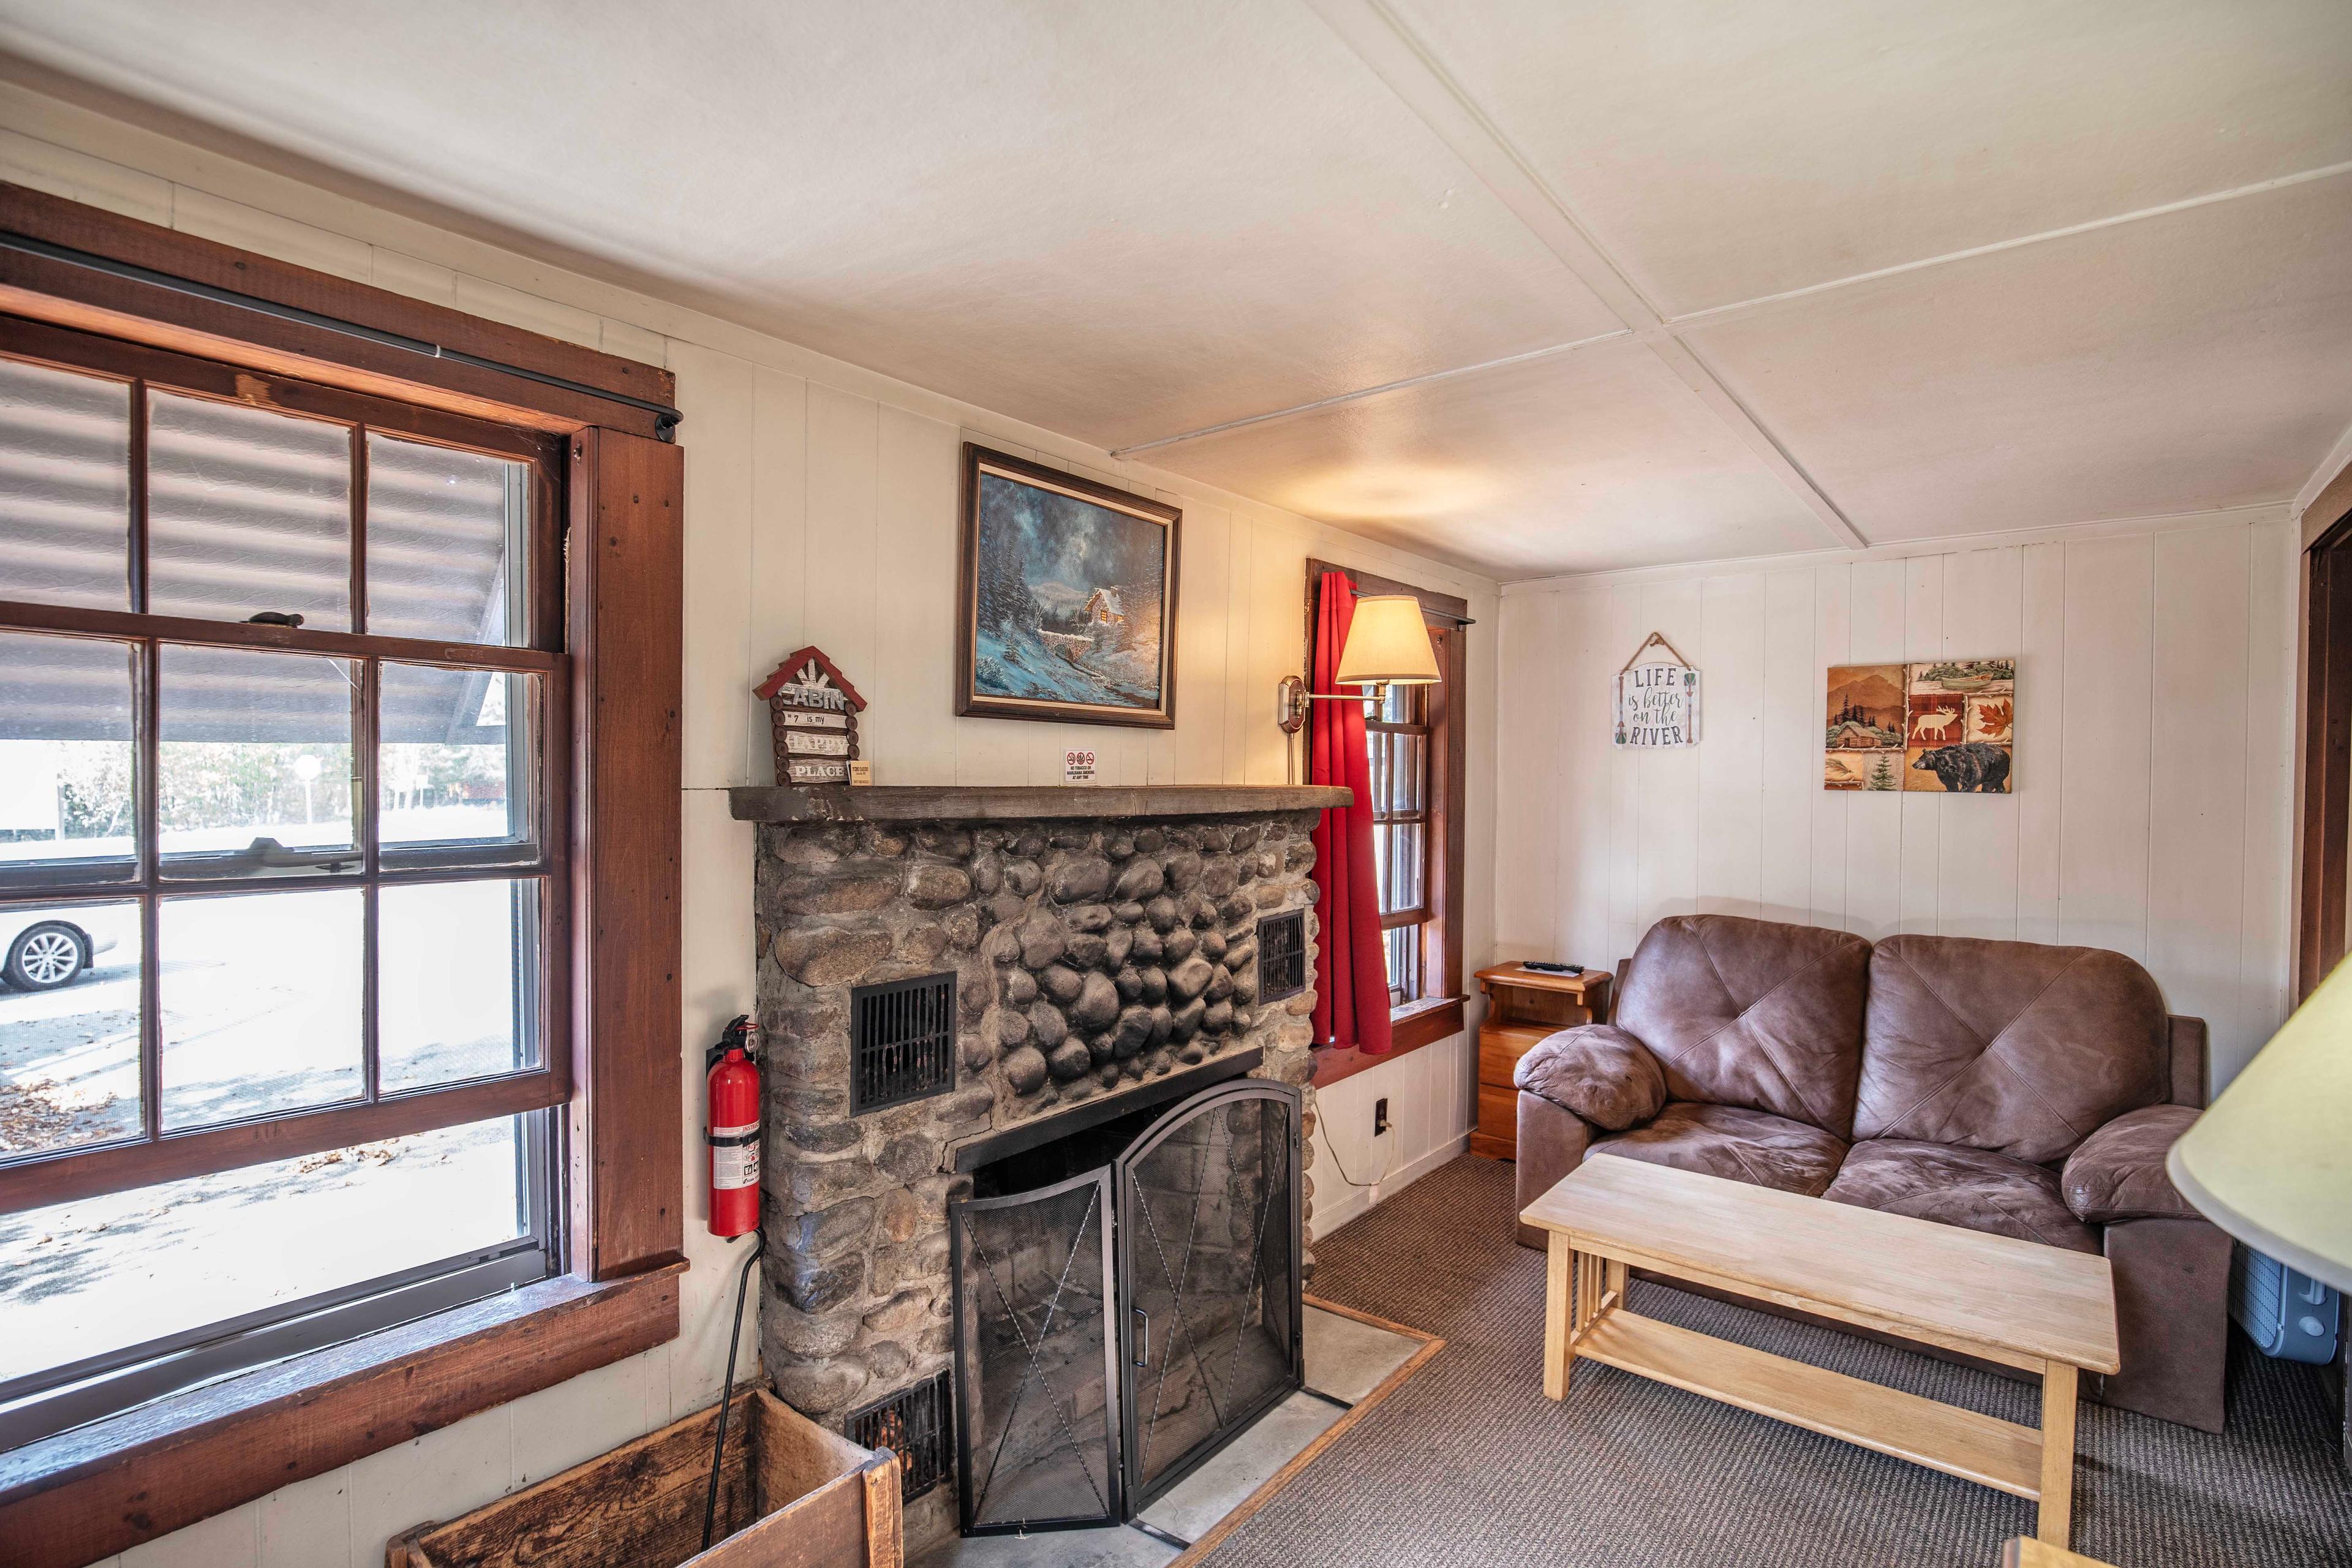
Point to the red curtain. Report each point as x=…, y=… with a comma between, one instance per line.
x=1351, y=982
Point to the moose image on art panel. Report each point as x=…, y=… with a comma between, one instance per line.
x=1939, y=726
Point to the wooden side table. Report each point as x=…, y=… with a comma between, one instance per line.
x=1527, y=1004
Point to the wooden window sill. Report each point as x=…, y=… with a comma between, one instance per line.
x=99, y=1490
x=1410, y=1027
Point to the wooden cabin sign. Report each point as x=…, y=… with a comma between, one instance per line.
x=813, y=709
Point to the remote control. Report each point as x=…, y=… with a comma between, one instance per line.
x=1544, y=967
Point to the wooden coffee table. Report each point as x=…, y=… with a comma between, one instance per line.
x=2042, y=1309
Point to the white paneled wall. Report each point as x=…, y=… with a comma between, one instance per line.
x=1431, y=1110
x=821, y=506
x=2153, y=759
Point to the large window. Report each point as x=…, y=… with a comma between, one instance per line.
x=281, y=849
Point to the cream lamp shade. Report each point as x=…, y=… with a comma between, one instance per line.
x=2272, y=1162
x=1388, y=645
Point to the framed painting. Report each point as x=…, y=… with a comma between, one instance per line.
x=1068, y=597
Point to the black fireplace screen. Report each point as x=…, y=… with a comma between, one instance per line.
x=1037, y=1437
x=1209, y=1277
x=1073, y=1416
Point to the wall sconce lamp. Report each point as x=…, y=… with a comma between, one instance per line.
x=1388, y=645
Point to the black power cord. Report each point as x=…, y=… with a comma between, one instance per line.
x=727, y=1389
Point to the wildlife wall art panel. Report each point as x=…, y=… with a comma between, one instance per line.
x=1959, y=712
x=1941, y=726
x=1068, y=597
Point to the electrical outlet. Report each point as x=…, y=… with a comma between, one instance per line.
x=1380, y=1117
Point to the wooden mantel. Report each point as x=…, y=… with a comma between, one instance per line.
x=952, y=803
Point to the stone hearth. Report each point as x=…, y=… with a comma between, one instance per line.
x=1101, y=939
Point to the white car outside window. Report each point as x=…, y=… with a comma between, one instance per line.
x=43, y=949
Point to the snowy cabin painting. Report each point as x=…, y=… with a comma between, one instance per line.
x=1069, y=597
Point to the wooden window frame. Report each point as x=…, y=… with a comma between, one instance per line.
x=96, y=1490
x=1439, y=1014
x=162, y=1155
x=2322, y=913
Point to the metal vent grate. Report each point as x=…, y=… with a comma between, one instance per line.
x=914, y=1425
x=1281, y=955
x=901, y=1041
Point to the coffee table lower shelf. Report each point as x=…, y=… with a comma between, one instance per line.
x=1980, y=1448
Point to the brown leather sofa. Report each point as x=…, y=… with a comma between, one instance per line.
x=2009, y=1087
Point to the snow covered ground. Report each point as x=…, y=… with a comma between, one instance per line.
x=1025, y=665
x=260, y=995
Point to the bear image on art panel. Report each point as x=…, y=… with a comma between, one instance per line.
x=1958, y=724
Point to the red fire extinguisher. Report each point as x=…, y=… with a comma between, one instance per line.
x=731, y=1121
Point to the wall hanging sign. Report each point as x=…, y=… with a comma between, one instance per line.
x=1941, y=726
x=814, y=711
x=1657, y=704
x=1078, y=767
x=1068, y=597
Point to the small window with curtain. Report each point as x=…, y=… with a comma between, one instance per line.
x=1396, y=732
x=280, y=850
x=1413, y=737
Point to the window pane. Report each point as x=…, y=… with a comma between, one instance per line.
x=445, y=544
x=88, y=1278
x=455, y=767
x=457, y=986
x=69, y=1026
x=246, y=511
x=1410, y=836
x=255, y=763
x=65, y=757
x=65, y=487
x=261, y=1003
x=1403, y=945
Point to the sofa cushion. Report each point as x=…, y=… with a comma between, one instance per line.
x=1752, y=1013
x=1974, y=1188
x=2008, y=1045
x=1597, y=1070
x=1742, y=1145
x=2118, y=1173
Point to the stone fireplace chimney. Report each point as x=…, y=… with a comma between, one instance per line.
x=1015, y=956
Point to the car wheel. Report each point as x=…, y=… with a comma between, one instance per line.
x=46, y=956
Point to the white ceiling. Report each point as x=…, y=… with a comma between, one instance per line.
x=1795, y=273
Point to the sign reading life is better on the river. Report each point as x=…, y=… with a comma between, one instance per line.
x=1657, y=705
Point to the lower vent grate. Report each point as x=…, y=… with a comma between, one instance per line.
x=913, y=1425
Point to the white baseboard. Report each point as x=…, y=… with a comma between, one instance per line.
x=1330, y=1217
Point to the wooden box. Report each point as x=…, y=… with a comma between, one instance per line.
x=790, y=1493
x=1527, y=1006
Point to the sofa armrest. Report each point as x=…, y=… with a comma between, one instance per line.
x=2117, y=1173
x=1598, y=1071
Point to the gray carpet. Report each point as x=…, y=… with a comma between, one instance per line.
x=1468, y=1463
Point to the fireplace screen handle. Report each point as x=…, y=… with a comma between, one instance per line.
x=1142, y=1336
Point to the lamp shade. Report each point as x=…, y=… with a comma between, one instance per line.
x=2272, y=1162
x=1387, y=642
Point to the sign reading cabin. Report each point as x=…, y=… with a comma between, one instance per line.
x=815, y=709
x=1657, y=704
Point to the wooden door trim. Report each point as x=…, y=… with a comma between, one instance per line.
x=2326, y=837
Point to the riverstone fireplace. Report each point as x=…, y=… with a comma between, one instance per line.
x=1002, y=985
